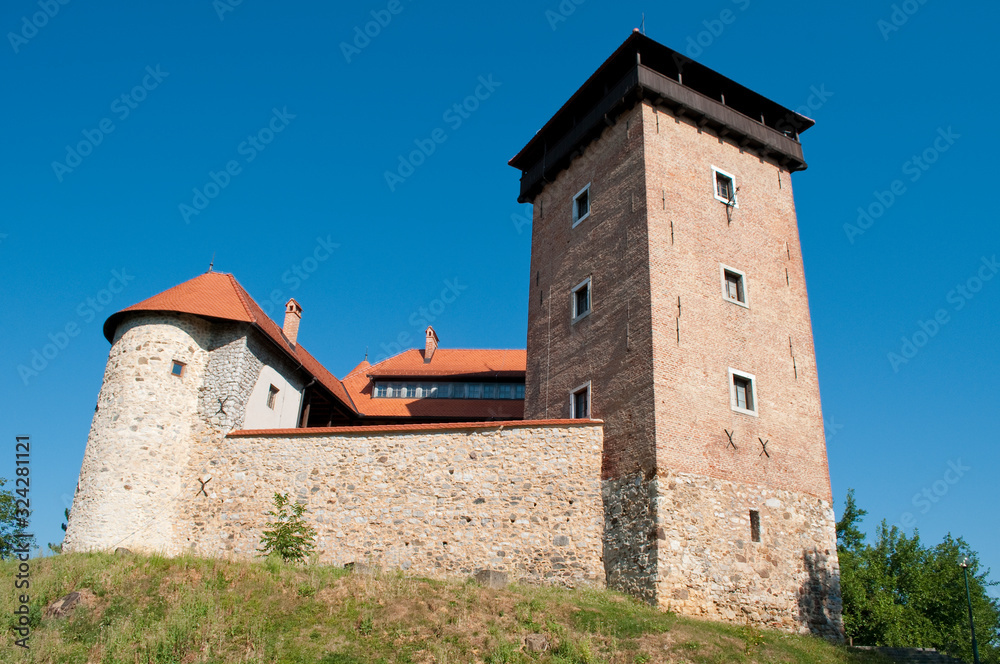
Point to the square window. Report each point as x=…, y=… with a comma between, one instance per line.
x=734, y=286
x=519, y=392
x=754, y=526
x=579, y=403
x=505, y=392
x=177, y=368
x=743, y=392
x=581, y=300
x=725, y=187
x=272, y=393
x=581, y=205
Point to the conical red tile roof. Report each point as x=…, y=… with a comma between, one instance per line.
x=218, y=295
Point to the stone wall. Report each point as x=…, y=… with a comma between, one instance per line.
x=708, y=564
x=143, y=428
x=438, y=500
x=630, y=556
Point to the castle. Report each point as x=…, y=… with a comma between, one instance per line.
x=662, y=434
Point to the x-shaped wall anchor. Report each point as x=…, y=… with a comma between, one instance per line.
x=763, y=444
x=731, y=439
x=202, y=489
x=222, y=405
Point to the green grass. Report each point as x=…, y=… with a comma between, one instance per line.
x=155, y=610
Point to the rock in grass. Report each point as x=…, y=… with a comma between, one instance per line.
x=64, y=606
x=536, y=643
x=491, y=578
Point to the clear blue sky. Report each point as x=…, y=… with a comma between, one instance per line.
x=220, y=71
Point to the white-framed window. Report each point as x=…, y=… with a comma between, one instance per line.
x=581, y=205
x=579, y=402
x=734, y=286
x=743, y=392
x=724, y=186
x=272, y=395
x=177, y=369
x=580, y=299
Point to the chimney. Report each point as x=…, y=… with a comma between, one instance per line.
x=293, y=316
x=432, y=344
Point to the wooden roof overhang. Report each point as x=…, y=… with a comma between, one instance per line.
x=644, y=69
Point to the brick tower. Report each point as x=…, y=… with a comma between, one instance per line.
x=668, y=298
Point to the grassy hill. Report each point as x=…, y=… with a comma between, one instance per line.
x=153, y=609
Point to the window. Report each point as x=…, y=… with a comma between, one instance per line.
x=725, y=187
x=272, y=392
x=734, y=286
x=581, y=205
x=457, y=390
x=754, y=526
x=579, y=403
x=743, y=392
x=581, y=299
x=177, y=368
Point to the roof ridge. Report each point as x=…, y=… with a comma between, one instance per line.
x=243, y=295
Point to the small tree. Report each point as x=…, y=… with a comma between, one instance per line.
x=288, y=535
x=13, y=521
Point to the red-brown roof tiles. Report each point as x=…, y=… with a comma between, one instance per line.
x=218, y=295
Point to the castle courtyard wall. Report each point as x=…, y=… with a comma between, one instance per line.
x=436, y=500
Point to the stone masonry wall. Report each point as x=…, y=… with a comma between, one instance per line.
x=709, y=565
x=525, y=499
x=630, y=555
x=146, y=419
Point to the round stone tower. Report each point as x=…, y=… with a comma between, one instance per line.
x=146, y=420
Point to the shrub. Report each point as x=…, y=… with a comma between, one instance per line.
x=288, y=535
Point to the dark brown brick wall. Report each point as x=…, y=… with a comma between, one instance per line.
x=612, y=347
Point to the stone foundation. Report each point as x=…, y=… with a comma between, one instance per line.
x=630, y=558
x=709, y=566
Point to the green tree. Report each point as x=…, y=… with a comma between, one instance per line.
x=288, y=535
x=898, y=592
x=11, y=524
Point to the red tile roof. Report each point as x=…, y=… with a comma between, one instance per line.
x=430, y=426
x=454, y=362
x=446, y=363
x=218, y=295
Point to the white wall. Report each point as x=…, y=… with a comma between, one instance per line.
x=287, y=403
